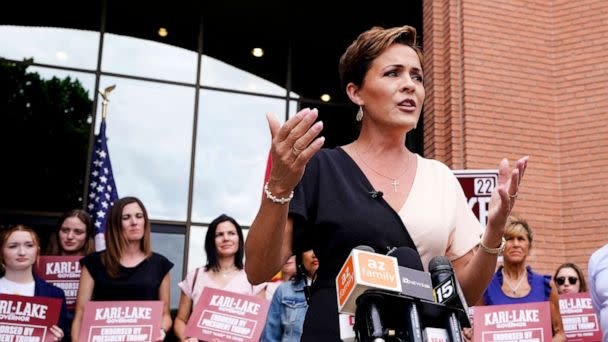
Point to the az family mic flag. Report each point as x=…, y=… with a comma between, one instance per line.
x=102, y=190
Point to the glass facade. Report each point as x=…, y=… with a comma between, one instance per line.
x=186, y=127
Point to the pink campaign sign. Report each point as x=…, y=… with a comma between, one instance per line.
x=529, y=322
x=579, y=318
x=118, y=321
x=28, y=318
x=226, y=316
x=63, y=272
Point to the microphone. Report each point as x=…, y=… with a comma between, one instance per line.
x=414, y=283
x=376, y=194
x=362, y=271
x=447, y=291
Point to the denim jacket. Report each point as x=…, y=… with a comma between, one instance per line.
x=286, y=314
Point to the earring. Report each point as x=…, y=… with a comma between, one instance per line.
x=359, y=116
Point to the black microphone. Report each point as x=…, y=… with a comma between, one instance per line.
x=365, y=248
x=376, y=194
x=413, y=284
x=447, y=291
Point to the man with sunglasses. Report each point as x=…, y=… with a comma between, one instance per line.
x=598, y=286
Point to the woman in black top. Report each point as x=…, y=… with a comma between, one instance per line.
x=127, y=269
x=337, y=203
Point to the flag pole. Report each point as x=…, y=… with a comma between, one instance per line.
x=104, y=103
x=102, y=189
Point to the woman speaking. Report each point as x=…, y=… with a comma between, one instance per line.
x=328, y=200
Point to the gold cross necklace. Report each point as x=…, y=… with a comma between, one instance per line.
x=394, y=181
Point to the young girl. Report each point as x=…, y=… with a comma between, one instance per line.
x=74, y=235
x=20, y=250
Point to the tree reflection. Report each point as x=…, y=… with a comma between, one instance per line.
x=44, y=130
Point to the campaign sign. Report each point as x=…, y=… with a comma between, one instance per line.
x=63, y=272
x=227, y=316
x=528, y=322
x=579, y=318
x=120, y=321
x=28, y=318
x=478, y=186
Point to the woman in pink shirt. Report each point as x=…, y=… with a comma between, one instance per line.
x=224, y=245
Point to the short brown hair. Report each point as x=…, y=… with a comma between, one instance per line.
x=357, y=59
x=6, y=233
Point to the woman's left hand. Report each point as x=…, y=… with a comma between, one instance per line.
x=57, y=333
x=505, y=195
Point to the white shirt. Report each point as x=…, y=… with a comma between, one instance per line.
x=437, y=215
x=19, y=289
x=598, y=286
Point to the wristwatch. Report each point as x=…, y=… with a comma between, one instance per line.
x=494, y=251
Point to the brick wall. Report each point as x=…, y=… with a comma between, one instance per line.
x=513, y=78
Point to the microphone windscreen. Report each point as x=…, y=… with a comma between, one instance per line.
x=408, y=257
x=365, y=248
x=440, y=263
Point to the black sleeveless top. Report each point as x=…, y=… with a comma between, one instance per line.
x=334, y=210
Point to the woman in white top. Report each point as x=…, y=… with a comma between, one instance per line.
x=20, y=250
x=224, y=245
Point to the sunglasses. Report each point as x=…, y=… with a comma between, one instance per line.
x=561, y=280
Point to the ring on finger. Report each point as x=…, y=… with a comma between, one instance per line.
x=296, y=151
x=514, y=196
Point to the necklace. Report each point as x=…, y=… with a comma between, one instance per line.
x=394, y=181
x=226, y=273
x=513, y=289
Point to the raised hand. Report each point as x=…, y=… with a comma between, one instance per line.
x=293, y=144
x=505, y=193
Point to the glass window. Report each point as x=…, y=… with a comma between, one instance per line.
x=44, y=134
x=50, y=45
x=139, y=57
x=215, y=73
x=229, y=60
x=149, y=130
x=171, y=246
x=231, y=154
x=155, y=40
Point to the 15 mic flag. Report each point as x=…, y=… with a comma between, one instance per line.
x=102, y=189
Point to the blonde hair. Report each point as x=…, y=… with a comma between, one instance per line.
x=516, y=225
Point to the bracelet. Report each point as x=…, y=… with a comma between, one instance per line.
x=494, y=251
x=274, y=199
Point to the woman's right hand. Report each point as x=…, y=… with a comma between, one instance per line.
x=293, y=144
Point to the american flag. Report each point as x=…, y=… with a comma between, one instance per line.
x=102, y=189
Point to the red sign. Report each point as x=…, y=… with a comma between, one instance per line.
x=478, y=186
x=28, y=318
x=121, y=321
x=227, y=316
x=579, y=318
x=529, y=322
x=63, y=272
